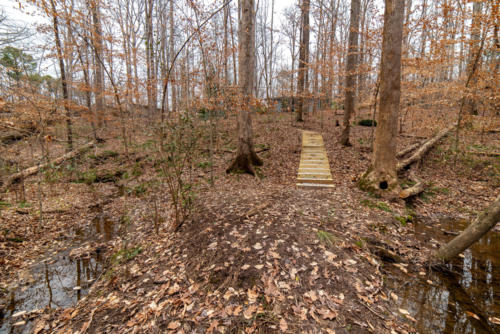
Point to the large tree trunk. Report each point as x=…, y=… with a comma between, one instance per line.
x=383, y=175
x=303, y=61
x=246, y=155
x=351, y=71
x=485, y=222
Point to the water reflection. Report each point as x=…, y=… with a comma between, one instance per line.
x=454, y=303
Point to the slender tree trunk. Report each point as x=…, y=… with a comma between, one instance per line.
x=382, y=175
x=69, y=127
x=475, y=37
x=246, y=155
x=485, y=222
x=303, y=61
x=351, y=71
x=150, y=67
x=172, y=55
x=98, y=66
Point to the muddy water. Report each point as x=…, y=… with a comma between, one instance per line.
x=466, y=302
x=58, y=281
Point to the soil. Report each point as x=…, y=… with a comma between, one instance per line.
x=256, y=255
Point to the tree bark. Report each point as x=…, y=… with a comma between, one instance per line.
x=303, y=61
x=383, y=175
x=475, y=37
x=172, y=55
x=64, y=84
x=485, y=222
x=98, y=64
x=246, y=155
x=150, y=67
x=351, y=72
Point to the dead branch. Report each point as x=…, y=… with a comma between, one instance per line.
x=423, y=149
x=35, y=169
x=488, y=154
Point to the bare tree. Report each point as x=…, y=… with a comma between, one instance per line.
x=351, y=71
x=302, y=82
x=382, y=174
x=98, y=65
x=246, y=155
x=64, y=84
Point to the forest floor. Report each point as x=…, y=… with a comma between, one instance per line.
x=257, y=255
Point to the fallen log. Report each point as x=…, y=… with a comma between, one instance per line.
x=481, y=225
x=488, y=154
x=407, y=150
x=35, y=169
x=415, y=189
x=423, y=149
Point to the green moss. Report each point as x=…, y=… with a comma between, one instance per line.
x=378, y=205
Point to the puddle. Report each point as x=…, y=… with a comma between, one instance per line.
x=102, y=227
x=58, y=281
x=464, y=303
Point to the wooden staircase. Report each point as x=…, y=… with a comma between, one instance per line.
x=314, y=168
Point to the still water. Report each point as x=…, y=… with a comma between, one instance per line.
x=465, y=302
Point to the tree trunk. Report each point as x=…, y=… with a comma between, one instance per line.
x=246, y=155
x=485, y=222
x=303, y=61
x=382, y=175
x=172, y=54
x=98, y=65
x=64, y=84
x=351, y=71
x=475, y=37
x=150, y=67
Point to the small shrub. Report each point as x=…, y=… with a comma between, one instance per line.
x=367, y=122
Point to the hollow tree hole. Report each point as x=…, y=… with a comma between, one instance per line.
x=383, y=185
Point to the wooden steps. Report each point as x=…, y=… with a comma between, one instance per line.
x=314, y=168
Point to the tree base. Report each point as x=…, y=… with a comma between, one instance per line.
x=244, y=163
x=380, y=183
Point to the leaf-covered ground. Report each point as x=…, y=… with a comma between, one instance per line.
x=257, y=255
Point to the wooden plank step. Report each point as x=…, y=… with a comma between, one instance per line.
x=314, y=185
x=313, y=180
x=314, y=168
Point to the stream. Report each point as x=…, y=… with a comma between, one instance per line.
x=467, y=301
x=56, y=281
